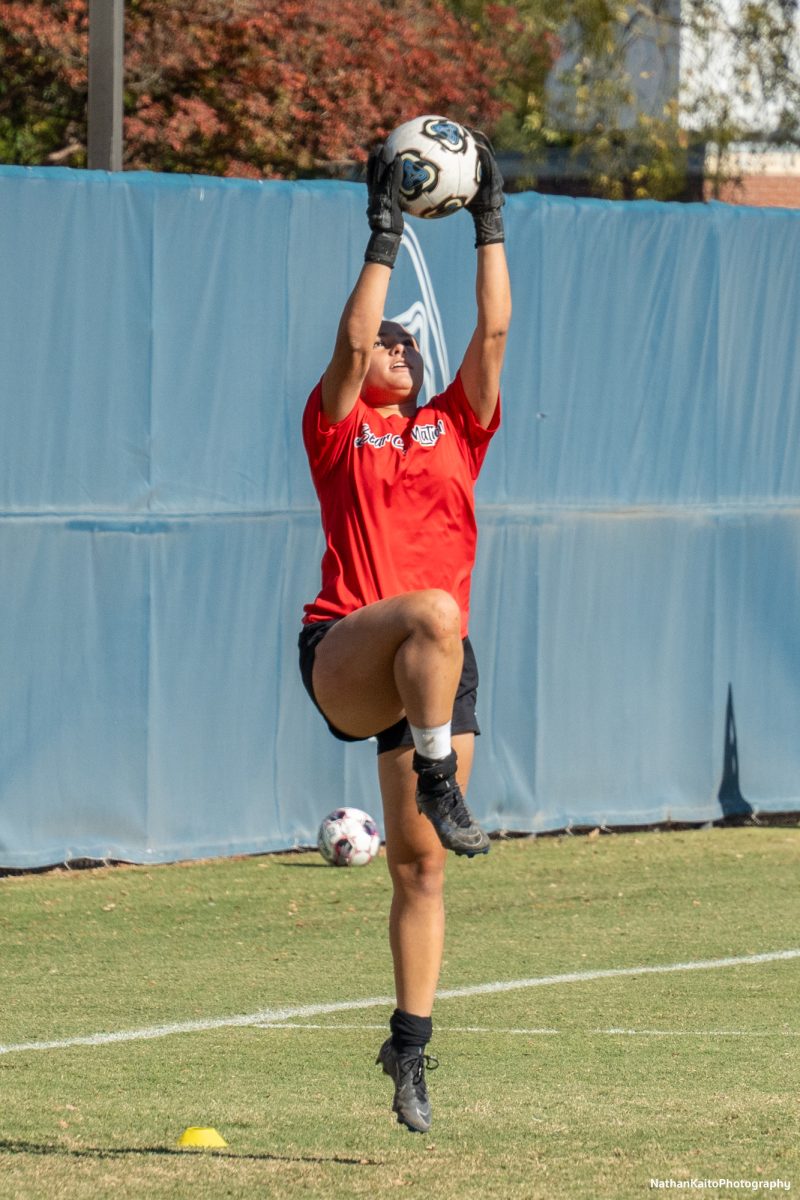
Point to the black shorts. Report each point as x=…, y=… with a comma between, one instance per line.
x=399, y=734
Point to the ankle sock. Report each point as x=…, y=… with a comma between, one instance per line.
x=433, y=742
x=410, y=1033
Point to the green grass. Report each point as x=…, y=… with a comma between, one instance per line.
x=712, y=1090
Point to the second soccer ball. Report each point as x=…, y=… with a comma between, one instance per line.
x=348, y=837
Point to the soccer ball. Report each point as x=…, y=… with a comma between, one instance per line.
x=348, y=837
x=441, y=167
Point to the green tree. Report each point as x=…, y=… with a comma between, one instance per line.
x=637, y=83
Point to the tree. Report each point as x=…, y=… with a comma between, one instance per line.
x=43, y=50
x=279, y=88
x=638, y=82
x=742, y=74
x=288, y=88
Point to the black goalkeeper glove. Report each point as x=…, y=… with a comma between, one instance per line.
x=383, y=210
x=489, y=199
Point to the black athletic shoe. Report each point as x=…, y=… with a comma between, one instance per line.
x=439, y=799
x=411, y=1101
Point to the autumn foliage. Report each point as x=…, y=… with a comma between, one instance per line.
x=275, y=88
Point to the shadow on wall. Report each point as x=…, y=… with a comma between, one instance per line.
x=733, y=804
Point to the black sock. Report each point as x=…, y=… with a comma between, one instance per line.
x=410, y=1034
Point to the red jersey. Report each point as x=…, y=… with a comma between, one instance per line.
x=396, y=495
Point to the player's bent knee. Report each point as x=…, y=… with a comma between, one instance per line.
x=437, y=614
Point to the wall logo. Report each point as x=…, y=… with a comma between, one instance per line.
x=424, y=320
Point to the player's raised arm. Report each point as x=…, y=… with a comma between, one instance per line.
x=483, y=361
x=363, y=312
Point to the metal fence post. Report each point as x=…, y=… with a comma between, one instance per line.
x=106, y=65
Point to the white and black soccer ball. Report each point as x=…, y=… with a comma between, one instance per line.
x=348, y=837
x=441, y=166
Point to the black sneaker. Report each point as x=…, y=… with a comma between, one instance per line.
x=439, y=799
x=411, y=1101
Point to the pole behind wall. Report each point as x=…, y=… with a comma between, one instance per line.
x=106, y=64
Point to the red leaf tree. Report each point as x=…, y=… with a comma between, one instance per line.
x=275, y=88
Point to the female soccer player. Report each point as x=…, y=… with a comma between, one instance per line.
x=384, y=649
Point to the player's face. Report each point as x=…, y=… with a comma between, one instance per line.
x=395, y=371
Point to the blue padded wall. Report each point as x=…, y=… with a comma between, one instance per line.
x=639, y=556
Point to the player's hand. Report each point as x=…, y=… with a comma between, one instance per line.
x=384, y=176
x=486, y=206
x=384, y=214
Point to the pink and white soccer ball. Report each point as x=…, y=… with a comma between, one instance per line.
x=348, y=837
x=441, y=167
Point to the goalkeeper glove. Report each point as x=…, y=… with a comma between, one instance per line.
x=489, y=199
x=383, y=210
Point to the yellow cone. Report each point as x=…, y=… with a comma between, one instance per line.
x=207, y=1139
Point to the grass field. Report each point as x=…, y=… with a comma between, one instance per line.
x=590, y=1086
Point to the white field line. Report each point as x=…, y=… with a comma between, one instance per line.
x=269, y=1016
x=493, y=1029
x=750, y=1033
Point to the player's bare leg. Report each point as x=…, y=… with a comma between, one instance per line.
x=416, y=862
x=396, y=657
